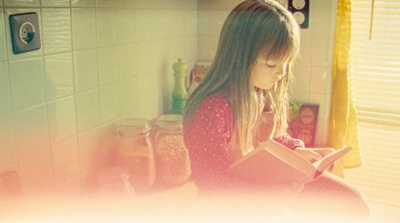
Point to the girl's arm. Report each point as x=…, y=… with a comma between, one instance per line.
x=288, y=141
x=207, y=137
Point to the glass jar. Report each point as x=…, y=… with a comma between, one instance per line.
x=135, y=152
x=172, y=158
x=114, y=181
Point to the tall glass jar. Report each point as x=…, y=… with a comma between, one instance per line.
x=172, y=158
x=135, y=153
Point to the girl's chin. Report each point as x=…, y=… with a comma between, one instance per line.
x=265, y=87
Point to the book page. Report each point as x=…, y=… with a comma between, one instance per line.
x=325, y=162
x=290, y=157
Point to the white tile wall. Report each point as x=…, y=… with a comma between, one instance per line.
x=88, y=144
x=62, y=119
x=106, y=29
x=83, y=3
x=5, y=91
x=85, y=70
x=59, y=75
x=126, y=25
x=84, y=28
x=31, y=130
x=87, y=110
x=57, y=35
x=59, y=105
x=8, y=151
x=55, y=3
x=110, y=108
x=3, y=53
x=108, y=65
x=36, y=173
x=22, y=3
x=27, y=82
x=65, y=161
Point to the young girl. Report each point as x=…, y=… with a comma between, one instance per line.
x=242, y=102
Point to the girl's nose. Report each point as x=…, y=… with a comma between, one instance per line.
x=281, y=70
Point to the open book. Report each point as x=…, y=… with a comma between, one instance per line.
x=272, y=163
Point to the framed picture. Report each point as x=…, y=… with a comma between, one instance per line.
x=303, y=123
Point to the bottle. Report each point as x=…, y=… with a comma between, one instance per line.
x=172, y=158
x=179, y=94
x=135, y=153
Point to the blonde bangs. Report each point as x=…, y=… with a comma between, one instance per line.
x=281, y=47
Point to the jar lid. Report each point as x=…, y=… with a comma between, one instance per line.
x=170, y=121
x=134, y=126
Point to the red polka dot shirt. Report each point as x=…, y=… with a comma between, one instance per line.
x=208, y=139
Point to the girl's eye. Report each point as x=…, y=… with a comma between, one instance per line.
x=271, y=65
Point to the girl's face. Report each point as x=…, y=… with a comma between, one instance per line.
x=266, y=73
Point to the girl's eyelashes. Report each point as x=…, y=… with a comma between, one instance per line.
x=271, y=65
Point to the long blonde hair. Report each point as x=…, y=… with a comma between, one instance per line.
x=254, y=28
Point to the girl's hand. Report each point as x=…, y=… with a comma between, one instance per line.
x=308, y=154
x=324, y=152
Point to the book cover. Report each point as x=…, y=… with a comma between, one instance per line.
x=272, y=163
x=303, y=123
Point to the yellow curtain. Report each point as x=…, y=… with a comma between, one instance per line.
x=343, y=123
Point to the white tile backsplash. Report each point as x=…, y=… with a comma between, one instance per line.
x=202, y=22
x=145, y=4
x=320, y=24
x=216, y=20
x=56, y=30
x=127, y=25
x=220, y=4
x=108, y=65
x=129, y=95
x=145, y=24
x=321, y=80
x=106, y=3
x=55, y=3
x=22, y=3
x=106, y=29
x=110, y=106
x=84, y=28
x=87, y=110
x=62, y=119
x=127, y=61
x=323, y=100
x=88, y=144
x=127, y=3
x=86, y=70
x=65, y=160
x=27, y=83
x=36, y=173
x=3, y=52
x=8, y=151
x=146, y=57
x=320, y=53
x=59, y=76
x=31, y=130
x=5, y=91
x=83, y=3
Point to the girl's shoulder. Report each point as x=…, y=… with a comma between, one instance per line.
x=215, y=100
